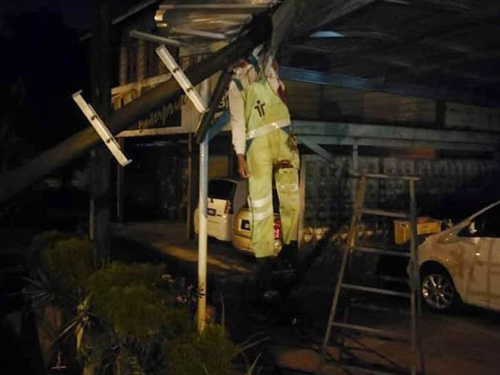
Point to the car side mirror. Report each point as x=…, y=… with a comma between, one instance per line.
x=468, y=231
x=471, y=229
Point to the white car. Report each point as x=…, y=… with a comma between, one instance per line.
x=242, y=238
x=462, y=263
x=225, y=197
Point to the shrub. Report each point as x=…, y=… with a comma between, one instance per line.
x=128, y=319
x=124, y=297
x=41, y=242
x=70, y=259
x=59, y=269
x=211, y=352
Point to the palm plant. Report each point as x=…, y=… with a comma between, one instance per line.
x=126, y=319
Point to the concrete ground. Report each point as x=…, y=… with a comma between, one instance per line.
x=463, y=343
x=170, y=240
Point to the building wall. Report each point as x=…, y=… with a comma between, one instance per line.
x=328, y=189
x=461, y=116
x=318, y=102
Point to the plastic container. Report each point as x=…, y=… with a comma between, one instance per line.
x=425, y=226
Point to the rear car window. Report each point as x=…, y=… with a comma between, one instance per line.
x=221, y=189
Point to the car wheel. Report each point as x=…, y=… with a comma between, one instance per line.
x=438, y=290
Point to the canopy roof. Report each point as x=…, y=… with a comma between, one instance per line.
x=447, y=49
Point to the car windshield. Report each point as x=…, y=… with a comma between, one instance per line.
x=221, y=189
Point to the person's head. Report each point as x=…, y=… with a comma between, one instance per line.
x=241, y=62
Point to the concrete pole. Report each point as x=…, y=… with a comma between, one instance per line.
x=12, y=183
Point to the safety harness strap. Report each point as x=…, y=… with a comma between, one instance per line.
x=254, y=62
x=238, y=84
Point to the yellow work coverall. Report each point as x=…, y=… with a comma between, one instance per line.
x=267, y=122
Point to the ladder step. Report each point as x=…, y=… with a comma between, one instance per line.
x=376, y=290
x=382, y=252
x=401, y=280
x=397, y=215
x=373, y=331
x=380, y=308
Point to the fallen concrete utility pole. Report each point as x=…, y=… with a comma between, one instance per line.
x=14, y=182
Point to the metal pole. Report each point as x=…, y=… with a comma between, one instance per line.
x=155, y=38
x=355, y=167
x=416, y=302
x=202, y=235
x=120, y=188
x=208, y=116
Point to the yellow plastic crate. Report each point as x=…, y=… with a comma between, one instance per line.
x=425, y=225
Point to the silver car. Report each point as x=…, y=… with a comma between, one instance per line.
x=462, y=263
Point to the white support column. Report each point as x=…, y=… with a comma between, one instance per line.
x=355, y=157
x=203, y=234
x=355, y=168
x=199, y=102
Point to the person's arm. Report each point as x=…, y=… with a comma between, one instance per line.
x=238, y=129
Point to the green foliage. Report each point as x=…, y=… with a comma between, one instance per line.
x=125, y=297
x=45, y=290
x=211, y=353
x=41, y=242
x=48, y=239
x=70, y=259
x=128, y=319
x=60, y=266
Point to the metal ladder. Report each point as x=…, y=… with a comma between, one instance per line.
x=417, y=366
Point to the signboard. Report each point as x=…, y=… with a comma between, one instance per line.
x=179, y=116
x=166, y=117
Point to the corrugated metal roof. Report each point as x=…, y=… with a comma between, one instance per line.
x=438, y=44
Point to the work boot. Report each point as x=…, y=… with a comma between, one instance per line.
x=288, y=257
x=265, y=290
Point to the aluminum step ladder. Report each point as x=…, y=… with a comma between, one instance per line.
x=346, y=329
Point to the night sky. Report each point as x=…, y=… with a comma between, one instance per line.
x=76, y=13
x=43, y=63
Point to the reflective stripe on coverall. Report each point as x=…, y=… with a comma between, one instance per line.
x=267, y=121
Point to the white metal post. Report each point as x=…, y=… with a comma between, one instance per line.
x=199, y=101
x=202, y=235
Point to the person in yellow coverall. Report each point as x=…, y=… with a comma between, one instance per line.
x=261, y=127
